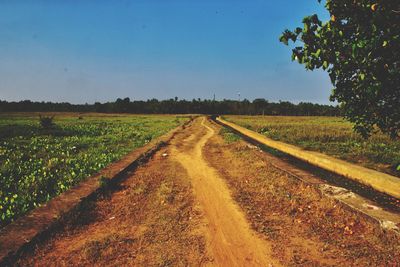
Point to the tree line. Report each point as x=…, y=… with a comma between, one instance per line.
x=258, y=106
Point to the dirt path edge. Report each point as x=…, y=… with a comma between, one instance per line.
x=26, y=231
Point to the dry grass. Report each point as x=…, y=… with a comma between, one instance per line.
x=331, y=135
x=305, y=227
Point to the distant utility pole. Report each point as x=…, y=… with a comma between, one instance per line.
x=214, y=98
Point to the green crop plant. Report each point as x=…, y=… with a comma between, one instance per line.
x=36, y=165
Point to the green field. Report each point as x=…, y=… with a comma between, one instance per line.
x=37, y=164
x=330, y=135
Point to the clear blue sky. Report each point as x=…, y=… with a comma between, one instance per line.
x=87, y=51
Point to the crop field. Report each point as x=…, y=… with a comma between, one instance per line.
x=37, y=164
x=330, y=135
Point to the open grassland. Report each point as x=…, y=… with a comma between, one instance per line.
x=330, y=135
x=37, y=164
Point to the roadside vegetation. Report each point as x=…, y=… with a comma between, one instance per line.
x=40, y=159
x=330, y=135
x=228, y=135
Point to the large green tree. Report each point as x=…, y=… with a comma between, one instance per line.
x=360, y=49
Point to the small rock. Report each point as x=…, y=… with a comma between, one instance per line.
x=164, y=154
x=252, y=146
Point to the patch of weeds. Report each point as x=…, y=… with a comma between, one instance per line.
x=104, y=181
x=228, y=135
x=46, y=122
x=166, y=193
x=94, y=250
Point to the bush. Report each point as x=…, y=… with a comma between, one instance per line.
x=46, y=122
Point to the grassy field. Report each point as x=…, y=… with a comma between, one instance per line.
x=37, y=164
x=330, y=135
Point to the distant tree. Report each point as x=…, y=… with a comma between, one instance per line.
x=98, y=107
x=46, y=122
x=360, y=49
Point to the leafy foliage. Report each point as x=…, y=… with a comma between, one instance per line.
x=228, y=135
x=37, y=165
x=46, y=121
x=360, y=49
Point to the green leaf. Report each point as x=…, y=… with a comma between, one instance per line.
x=283, y=39
x=306, y=28
x=298, y=30
x=353, y=50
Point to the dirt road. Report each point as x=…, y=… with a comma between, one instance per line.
x=229, y=237
x=205, y=200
